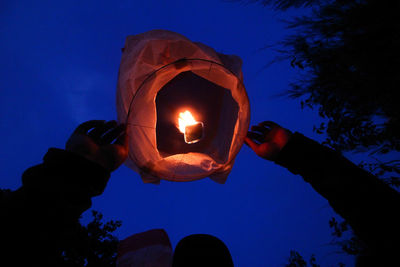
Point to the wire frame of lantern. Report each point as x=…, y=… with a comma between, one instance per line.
x=217, y=101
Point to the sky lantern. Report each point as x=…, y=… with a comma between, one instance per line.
x=185, y=106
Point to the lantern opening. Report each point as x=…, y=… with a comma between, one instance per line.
x=209, y=103
x=192, y=129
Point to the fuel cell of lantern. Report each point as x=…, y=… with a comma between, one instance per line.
x=194, y=133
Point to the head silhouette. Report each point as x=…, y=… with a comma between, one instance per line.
x=201, y=250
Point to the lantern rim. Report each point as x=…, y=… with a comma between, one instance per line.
x=151, y=75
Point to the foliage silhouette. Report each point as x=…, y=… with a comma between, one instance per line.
x=284, y=4
x=348, y=56
x=93, y=245
x=296, y=260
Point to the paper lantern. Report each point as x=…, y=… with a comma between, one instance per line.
x=151, y=249
x=185, y=106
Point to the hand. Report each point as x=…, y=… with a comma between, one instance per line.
x=267, y=139
x=94, y=141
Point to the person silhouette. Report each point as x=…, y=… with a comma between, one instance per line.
x=38, y=218
x=370, y=206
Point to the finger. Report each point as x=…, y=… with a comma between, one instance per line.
x=97, y=132
x=268, y=124
x=122, y=140
x=256, y=137
x=86, y=126
x=113, y=134
x=260, y=129
x=253, y=145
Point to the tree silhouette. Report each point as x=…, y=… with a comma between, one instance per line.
x=284, y=4
x=295, y=260
x=349, y=50
x=92, y=245
x=348, y=56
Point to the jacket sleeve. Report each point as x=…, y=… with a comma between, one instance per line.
x=370, y=206
x=40, y=216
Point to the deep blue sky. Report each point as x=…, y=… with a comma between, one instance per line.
x=59, y=65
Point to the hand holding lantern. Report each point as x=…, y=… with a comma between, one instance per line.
x=267, y=139
x=94, y=141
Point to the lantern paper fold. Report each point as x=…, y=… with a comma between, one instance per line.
x=162, y=73
x=151, y=249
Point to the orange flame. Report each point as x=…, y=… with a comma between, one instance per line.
x=185, y=119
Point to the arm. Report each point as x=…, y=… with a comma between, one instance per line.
x=370, y=206
x=41, y=216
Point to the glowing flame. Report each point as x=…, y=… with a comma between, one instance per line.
x=185, y=119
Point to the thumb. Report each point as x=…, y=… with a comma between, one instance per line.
x=253, y=145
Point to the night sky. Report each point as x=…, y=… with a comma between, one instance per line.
x=59, y=67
